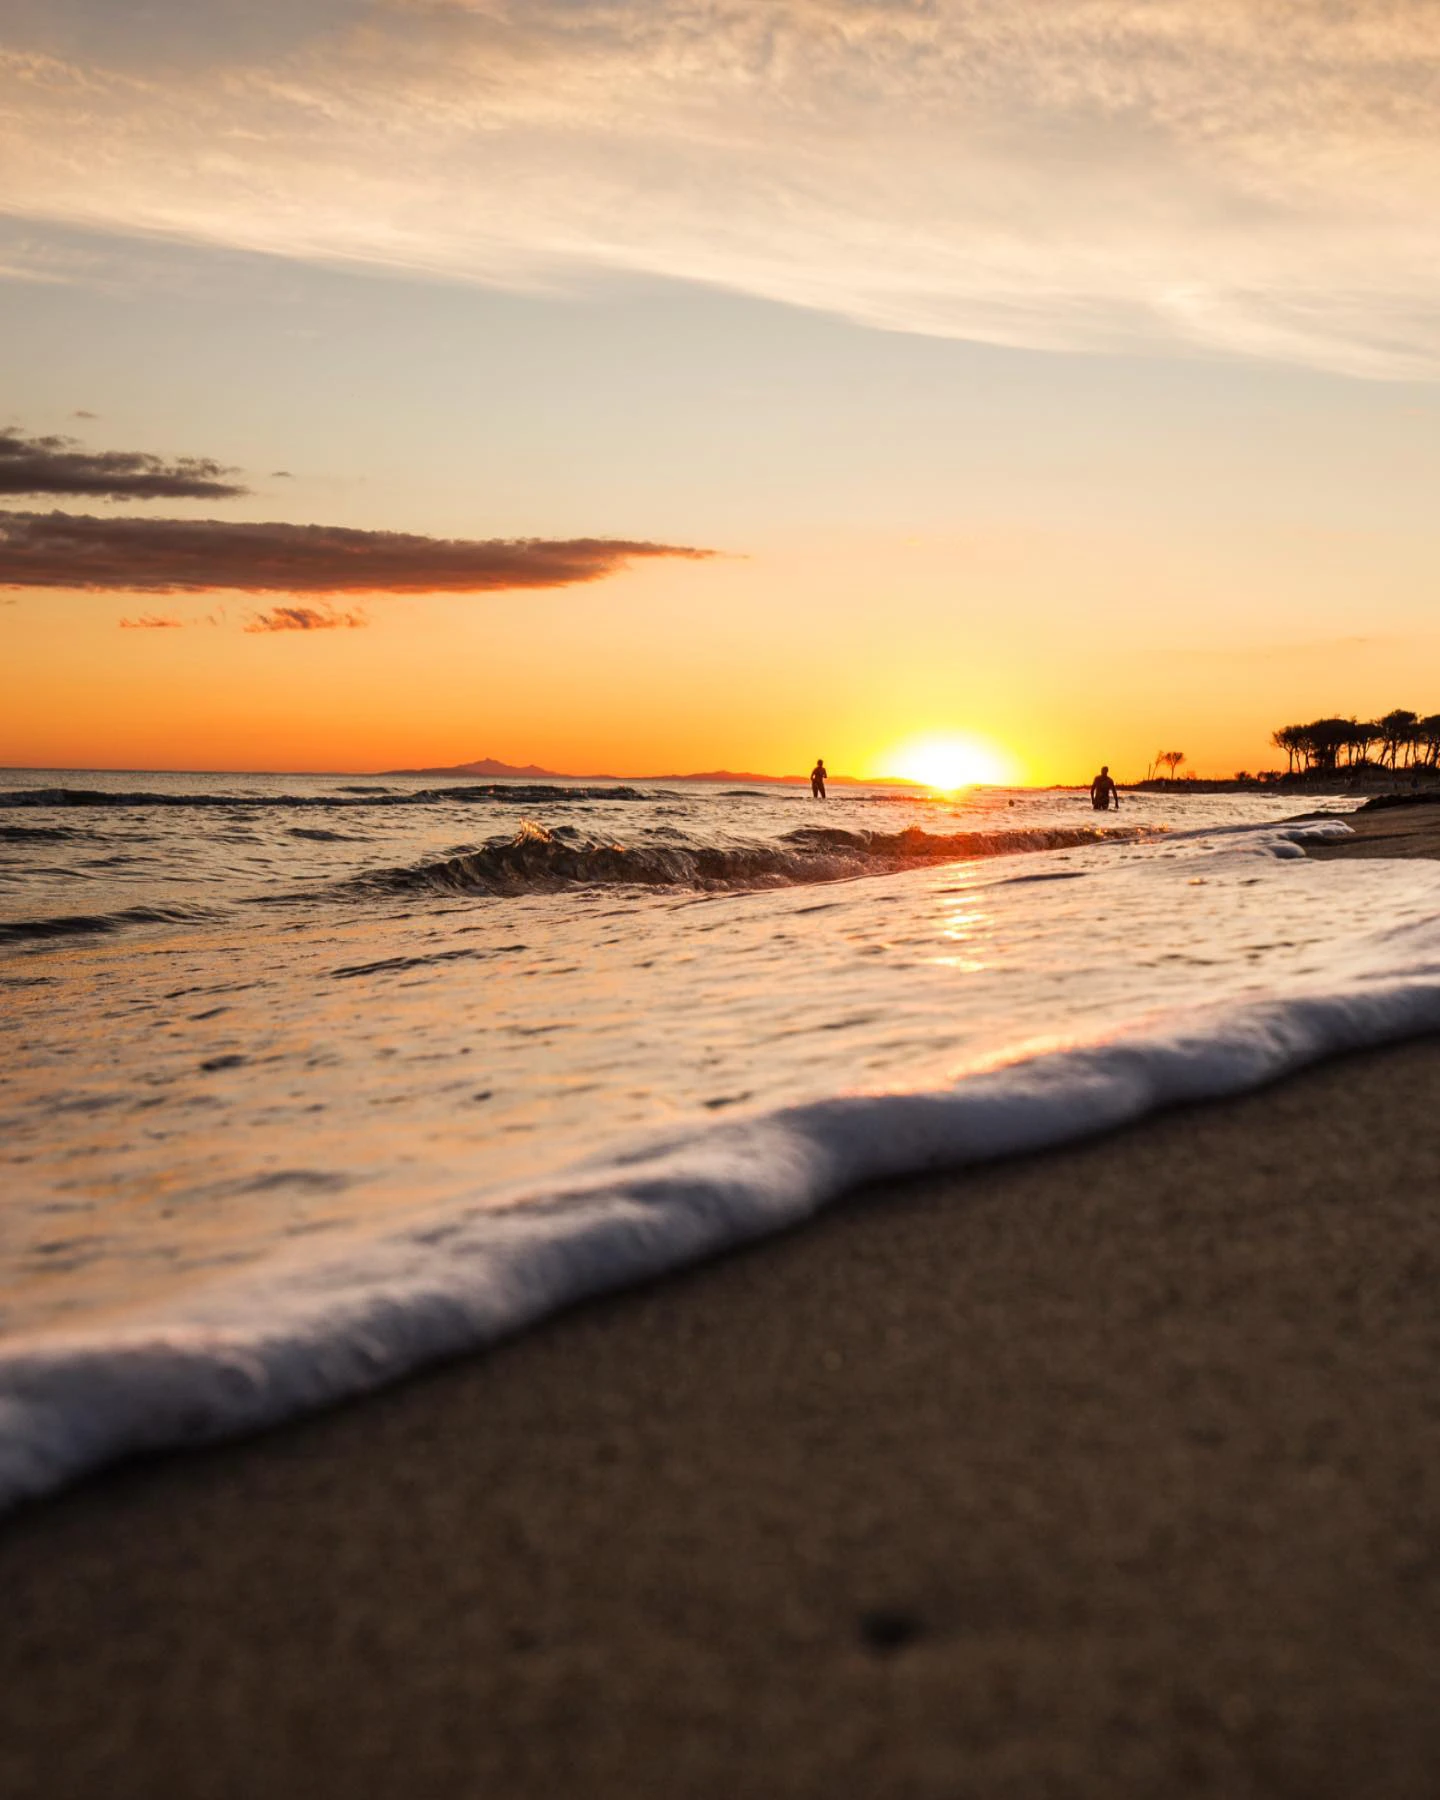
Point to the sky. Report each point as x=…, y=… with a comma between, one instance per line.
x=639, y=386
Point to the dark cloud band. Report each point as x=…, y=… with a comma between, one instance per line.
x=58, y=465
x=167, y=556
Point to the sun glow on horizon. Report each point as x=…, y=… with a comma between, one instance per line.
x=946, y=763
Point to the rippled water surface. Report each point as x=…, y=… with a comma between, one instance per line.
x=243, y=1012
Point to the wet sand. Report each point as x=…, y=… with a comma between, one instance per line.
x=1110, y=1472
x=1408, y=828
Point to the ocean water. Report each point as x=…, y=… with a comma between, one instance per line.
x=307, y=1080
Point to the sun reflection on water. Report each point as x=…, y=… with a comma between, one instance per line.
x=965, y=922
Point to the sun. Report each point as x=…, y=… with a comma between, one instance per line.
x=947, y=763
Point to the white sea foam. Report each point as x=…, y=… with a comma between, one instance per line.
x=325, y=1318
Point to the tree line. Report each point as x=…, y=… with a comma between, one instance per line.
x=1401, y=740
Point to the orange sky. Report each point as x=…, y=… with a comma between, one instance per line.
x=757, y=663
x=1063, y=378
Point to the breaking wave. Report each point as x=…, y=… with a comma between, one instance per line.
x=308, y=1330
x=537, y=860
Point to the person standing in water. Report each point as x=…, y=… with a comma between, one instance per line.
x=1103, y=791
x=817, y=779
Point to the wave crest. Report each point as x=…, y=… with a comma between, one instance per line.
x=537, y=860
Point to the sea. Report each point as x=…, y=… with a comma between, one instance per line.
x=307, y=1081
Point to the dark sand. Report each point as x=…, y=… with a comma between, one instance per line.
x=1109, y=1472
x=1403, y=828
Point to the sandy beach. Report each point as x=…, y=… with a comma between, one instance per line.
x=1114, y=1471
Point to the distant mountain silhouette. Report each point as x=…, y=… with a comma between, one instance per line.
x=487, y=765
x=493, y=770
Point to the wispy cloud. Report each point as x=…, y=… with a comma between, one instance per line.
x=149, y=622
x=1074, y=174
x=306, y=618
x=60, y=465
x=166, y=556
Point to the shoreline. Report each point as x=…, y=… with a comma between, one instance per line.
x=1106, y=1470
x=1111, y=1469
x=1402, y=828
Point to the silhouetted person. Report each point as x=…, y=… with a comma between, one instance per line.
x=1103, y=792
x=817, y=779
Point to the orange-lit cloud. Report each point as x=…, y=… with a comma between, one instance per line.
x=166, y=556
x=149, y=622
x=1080, y=174
x=307, y=618
x=59, y=465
